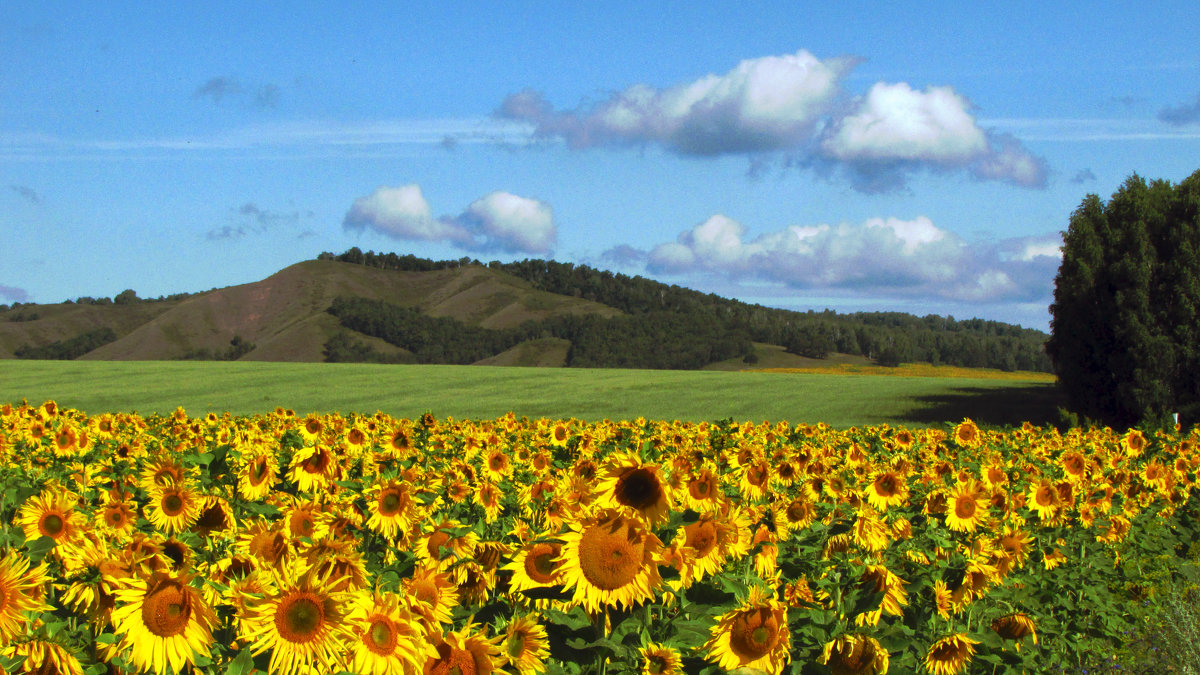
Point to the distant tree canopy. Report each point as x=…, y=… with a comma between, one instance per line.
x=675, y=327
x=1125, y=333
x=69, y=349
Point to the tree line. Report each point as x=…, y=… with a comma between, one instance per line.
x=675, y=327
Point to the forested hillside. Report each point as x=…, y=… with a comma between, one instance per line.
x=667, y=326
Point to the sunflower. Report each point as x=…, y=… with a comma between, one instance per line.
x=754, y=635
x=17, y=594
x=794, y=515
x=161, y=472
x=497, y=465
x=312, y=468
x=1133, y=443
x=312, y=428
x=535, y=566
x=560, y=433
x=163, y=622
x=967, y=507
x=432, y=594
x=880, y=579
x=658, y=659
x=1016, y=626
x=488, y=496
x=967, y=434
x=174, y=508
x=116, y=518
x=709, y=537
x=448, y=540
x=257, y=475
x=265, y=542
x=855, y=654
x=465, y=651
x=392, y=507
x=950, y=655
x=609, y=559
x=302, y=622
x=216, y=517
x=754, y=480
x=390, y=640
x=627, y=481
x=1043, y=498
x=887, y=488
x=43, y=657
x=526, y=645
x=51, y=514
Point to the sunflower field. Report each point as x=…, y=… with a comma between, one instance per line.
x=289, y=544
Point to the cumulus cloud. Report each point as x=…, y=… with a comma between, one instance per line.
x=1181, y=115
x=763, y=104
x=13, y=294
x=883, y=256
x=793, y=105
x=498, y=221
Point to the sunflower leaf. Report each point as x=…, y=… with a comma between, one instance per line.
x=241, y=665
x=39, y=547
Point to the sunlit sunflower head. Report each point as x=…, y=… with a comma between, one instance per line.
x=116, y=519
x=174, y=508
x=302, y=622
x=609, y=559
x=393, y=508
x=754, y=479
x=887, y=488
x=20, y=594
x=793, y=515
x=489, y=497
x=44, y=657
x=311, y=428
x=467, y=651
x=1134, y=443
x=967, y=507
x=950, y=655
x=257, y=475
x=525, y=645
x=754, y=635
x=51, y=514
x=967, y=434
x=659, y=659
x=163, y=622
x=497, y=465
x=473, y=581
x=390, y=640
x=709, y=538
x=560, y=433
x=1043, y=498
x=339, y=563
x=446, y=542
x=855, y=654
x=628, y=482
x=216, y=518
x=432, y=594
x=160, y=472
x=312, y=469
x=265, y=542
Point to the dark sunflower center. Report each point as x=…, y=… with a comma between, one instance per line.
x=610, y=555
x=51, y=525
x=172, y=504
x=452, y=661
x=656, y=665
x=299, y=617
x=258, y=471
x=381, y=637
x=754, y=635
x=166, y=609
x=638, y=488
x=539, y=563
x=701, y=536
x=964, y=507
x=389, y=503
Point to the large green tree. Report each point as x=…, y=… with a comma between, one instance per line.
x=1125, y=332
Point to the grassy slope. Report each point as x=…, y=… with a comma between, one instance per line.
x=486, y=392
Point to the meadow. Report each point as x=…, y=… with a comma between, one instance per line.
x=839, y=399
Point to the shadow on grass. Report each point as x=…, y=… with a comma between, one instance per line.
x=1036, y=403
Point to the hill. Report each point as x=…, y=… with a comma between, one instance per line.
x=386, y=308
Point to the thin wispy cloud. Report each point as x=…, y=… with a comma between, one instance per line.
x=27, y=193
x=13, y=294
x=793, y=105
x=1182, y=115
x=250, y=218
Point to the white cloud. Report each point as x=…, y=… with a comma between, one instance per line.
x=512, y=222
x=882, y=256
x=794, y=106
x=498, y=221
x=896, y=122
x=763, y=104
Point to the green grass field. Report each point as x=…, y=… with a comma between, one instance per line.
x=489, y=392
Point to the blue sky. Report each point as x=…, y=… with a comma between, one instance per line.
x=921, y=158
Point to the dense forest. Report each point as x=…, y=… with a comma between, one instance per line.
x=668, y=326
